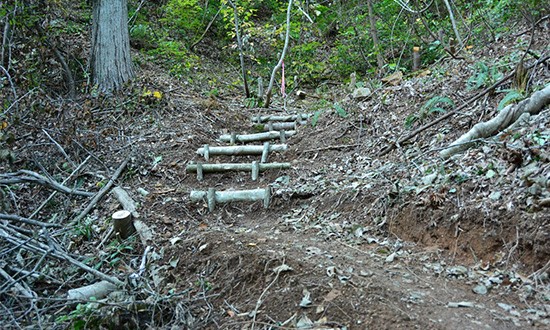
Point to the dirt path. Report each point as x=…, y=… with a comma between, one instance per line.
x=329, y=252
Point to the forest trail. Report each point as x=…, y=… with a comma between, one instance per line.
x=337, y=247
x=349, y=220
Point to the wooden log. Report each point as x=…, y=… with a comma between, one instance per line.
x=416, y=58
x=125, y=201
x=98, y=290
x=263, y=119
x=228, y=167
x=282, y=136
x=255, y=170
x=128, y=204
x=212, y=197
x=277, y=126
x=241, y=150
x=122, y=224
x=265, y=152
x=256, y=137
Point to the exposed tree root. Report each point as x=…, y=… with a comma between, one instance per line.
x=505, y=118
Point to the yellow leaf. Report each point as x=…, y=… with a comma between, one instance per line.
x=3, y=124
x=157, y=95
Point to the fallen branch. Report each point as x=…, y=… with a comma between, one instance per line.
x=44, y=203
x=98, y=290
x=33, y=245
x=102, y=192
x=145, y=232
x=60, y=148
x=125, y=201
x=457, y=110
x=13, y=217
x=206, y=30
x=278, y=270
x=27, y=293
x=22, y=176
x=505, y=118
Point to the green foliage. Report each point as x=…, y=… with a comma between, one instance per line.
x=340, y=111
x=246, y=9
x=434, y=105
x=116, y=250
x=300, y=57
x=84, y=316
x=540, y=138
x=174, y=55
x=484, y=76
x=251, y=102
x=512, y=96
x=140, y=32
x=183, y=17
x=315, y=117
x=83, y=229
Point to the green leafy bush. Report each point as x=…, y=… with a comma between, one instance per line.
x=511, y=96
x=433, y=105
x=484, y=76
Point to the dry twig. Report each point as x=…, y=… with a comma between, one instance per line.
x=30, y=176
x=102, y=192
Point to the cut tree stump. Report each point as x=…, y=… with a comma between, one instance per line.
x=254, y=167
x=122, y=224
x=207, y=151
x=234, y=138
x=212, y=196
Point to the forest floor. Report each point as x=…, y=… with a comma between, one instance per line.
x=351, y=240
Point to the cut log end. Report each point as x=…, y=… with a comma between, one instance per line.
x=122, y=224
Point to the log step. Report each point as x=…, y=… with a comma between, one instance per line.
x=234, y=138
x=263, y=150
x=212, y=196
x=255, y=168
x=263, y=119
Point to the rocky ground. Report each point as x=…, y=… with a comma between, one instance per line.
x=351, y=240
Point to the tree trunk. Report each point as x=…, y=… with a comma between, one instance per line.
x=453, y=23
x=280, y=63
x=374, y=36
x=240, y=45
x=110, y=59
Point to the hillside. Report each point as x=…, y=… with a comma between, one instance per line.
x=370, y=227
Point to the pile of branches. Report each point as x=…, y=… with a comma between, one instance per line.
x=68, y=268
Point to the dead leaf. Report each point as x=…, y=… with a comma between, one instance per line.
x=394, y=79
x=175, y=240
x=306, y=299
x=174, y=262
x=423, y=73
x=333, y=294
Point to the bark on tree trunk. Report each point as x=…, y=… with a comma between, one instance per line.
x=110, y=59
x=374, y=36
